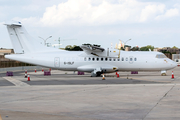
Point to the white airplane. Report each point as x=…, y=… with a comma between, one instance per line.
x=93, y=59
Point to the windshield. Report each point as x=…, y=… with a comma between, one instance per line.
x=160, y=56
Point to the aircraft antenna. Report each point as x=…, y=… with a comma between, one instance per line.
x=59, y=42
x=111, y=45
x=119, y=47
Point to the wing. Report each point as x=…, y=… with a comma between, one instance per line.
x=92, y=49
x=99, y=51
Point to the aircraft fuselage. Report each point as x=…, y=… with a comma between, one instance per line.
x=79, y=61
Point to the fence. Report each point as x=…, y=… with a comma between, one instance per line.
x=22, y=68
x=10, y=63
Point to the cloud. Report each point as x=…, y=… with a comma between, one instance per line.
x=1, y=23
x=31, y=7
x=2, y=14
x=85, y=12
x=151, y=11
x=102, y=12
x=168, y=14
x=172, y=12
x=29, y=21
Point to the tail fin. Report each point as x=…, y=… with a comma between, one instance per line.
x=22, y=42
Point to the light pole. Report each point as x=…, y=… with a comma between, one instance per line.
x=125, y=42
x=123, y=46
x=59, y=40
x=45, y=39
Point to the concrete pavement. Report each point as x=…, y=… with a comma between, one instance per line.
x=146, y=96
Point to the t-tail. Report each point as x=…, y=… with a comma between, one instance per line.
x=22, y=42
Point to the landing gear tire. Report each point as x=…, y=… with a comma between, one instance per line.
x=98, y=74
x=163, y=74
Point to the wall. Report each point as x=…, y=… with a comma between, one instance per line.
x=23, y=68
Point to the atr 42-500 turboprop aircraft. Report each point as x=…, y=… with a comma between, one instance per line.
x=92, y=59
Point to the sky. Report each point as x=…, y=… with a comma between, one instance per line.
x=102, y=22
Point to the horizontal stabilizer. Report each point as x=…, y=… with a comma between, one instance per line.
x=15, y=24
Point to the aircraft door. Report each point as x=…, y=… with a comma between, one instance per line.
x=131, y=60
x=108, y=52
x=56, y=62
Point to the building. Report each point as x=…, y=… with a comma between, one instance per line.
x=9, y=63
x=176, y=58
x=168, y=51
x=6, y=51
x=127, y=48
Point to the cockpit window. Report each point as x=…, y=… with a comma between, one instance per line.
x=160, y=56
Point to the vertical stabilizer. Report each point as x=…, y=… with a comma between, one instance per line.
x=14, y=37
x=22, y=42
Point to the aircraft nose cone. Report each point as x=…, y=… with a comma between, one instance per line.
x=174, y=64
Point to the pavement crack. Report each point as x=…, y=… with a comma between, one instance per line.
x=159, y=101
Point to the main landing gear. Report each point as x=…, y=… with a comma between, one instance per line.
x=97, y=72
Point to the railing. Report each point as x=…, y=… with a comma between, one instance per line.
x=9, y=63
x=22, y=68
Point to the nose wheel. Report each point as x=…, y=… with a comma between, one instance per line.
x=163, y=73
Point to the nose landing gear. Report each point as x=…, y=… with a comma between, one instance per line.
x=163, y=73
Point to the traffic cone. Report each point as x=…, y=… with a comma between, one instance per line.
x=49, y=69
x=25, y=75
x=117, y=74
x=28, y=77
x=103, y=77
x=42, y=70
x=172, y=75
x=25, y=71
x=35, y=70
x=0, y=117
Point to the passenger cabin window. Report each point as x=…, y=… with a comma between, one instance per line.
x=114, y=59
x=160, y=56
x=109, y=59
x=84, y=59
x=93, y=59
x=101, y=59
x=177, y=60
x=135, y=59
x=97, y=59
x=106, y=59
x=122, y=59
x=126, y=59
x=131, y=59
x=118, y=59
x=89, y=59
